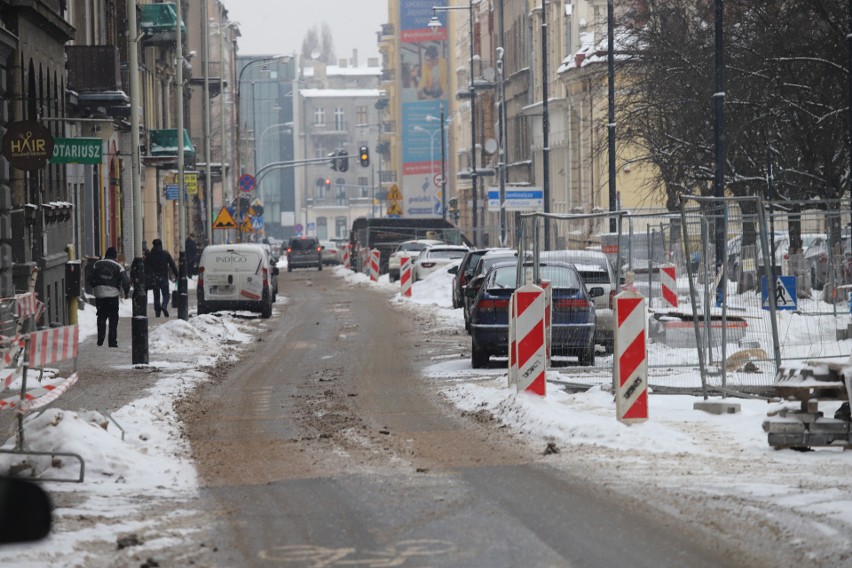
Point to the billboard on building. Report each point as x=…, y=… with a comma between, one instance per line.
x=425, y=81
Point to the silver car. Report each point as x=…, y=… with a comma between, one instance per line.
x=596, y=271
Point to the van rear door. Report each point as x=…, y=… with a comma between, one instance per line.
x=234, y=274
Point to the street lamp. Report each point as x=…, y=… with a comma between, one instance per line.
x=443, y=124
x=432, y=134
x=435, y=23
x=240, y=83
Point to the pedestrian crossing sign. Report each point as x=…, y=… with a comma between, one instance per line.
x=784, y=293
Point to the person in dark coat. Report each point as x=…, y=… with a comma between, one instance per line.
x=191, y=251
x=158, y=262
x=108, y=280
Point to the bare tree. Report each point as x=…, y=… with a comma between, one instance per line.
x=318, y=45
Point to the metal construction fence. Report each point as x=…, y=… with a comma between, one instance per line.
x=734, y=320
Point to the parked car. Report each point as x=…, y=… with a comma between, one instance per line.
x=572, y=316
x=750, y=258
x=331, y=253
x=490, y=258
x=595, y=269
x=435, y=257
x=822, y=262
x=236, y=277
x=411, y=249
x=303, y=252
x=462, y=274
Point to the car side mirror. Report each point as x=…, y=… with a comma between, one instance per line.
x=25, y=511
x=596, y=292
x=453, y=269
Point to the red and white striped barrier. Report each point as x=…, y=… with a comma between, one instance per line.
x=347, y=262
x=513, y=345
x=548, y=314
x=39, y=396
x=52, y=345
x=528, y=313
x=375, y=259
x=405, y=280
x=668, y=284
x=631, y=357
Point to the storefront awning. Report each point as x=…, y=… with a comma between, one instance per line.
x=164, y=143
x=159, y=22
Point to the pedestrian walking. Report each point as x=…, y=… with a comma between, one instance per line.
x=191, y=251
x=158, y=263
x=108, y=280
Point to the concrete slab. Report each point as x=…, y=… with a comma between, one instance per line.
x=717, y=407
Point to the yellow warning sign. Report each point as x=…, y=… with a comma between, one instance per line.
x=394, y=194
x=224, y=220
x=394, y=209
x=246, y=226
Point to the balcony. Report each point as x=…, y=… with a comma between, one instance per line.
x=94, y=73
x=339, y=127
x=387, y=176
x=158, y=23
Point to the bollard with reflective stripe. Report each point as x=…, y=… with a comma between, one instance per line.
x=513, y=345
x=405, y=275
x=528, y=314
x=375, y=259
x=631, y=357
x=668, y=284
x=347, y=263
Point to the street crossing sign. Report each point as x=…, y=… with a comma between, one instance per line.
x=784, y=291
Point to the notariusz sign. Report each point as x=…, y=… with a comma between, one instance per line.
x=77, y=151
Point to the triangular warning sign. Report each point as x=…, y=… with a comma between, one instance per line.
x=224, y=220
x=394, y=194
x=394, y=209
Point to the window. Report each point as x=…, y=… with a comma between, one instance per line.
x=319, y=150
x=322, y=228
x=339, y=122
x=319, y=116
x=363, y=189
x=361, y=116
x=341, y=227
x=340, y=191
x=320, y=189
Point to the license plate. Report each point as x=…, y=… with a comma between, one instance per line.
x=221, y=290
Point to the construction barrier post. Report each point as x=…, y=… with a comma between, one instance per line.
x=668, y=284
x=631, y=357
x=405, y=275
x=548, y=313
x=375, y=259
x=528, y=316
x=347, y=263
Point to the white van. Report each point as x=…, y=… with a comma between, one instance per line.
x=236, y=277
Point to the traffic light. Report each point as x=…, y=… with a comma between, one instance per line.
x=364, y=156
x=342, y=161
x=327, y=183
x=333, y=156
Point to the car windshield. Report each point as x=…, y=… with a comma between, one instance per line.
x=558, y=276
x=593, y=274
x=487, y=262
x=412, y=246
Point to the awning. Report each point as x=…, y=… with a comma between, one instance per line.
x=164, y=143
x=159, y=22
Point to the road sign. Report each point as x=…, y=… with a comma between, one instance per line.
x=247, y=183
x=394, y=194
x=438, y=180
x=172, y=193
x=394, y=209
x=785, y=293
x=527, y=199
x=224, y=220
x=190, y=181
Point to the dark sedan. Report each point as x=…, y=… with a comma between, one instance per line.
x=573, y=315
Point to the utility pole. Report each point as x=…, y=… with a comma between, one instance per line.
x=719, y=124
x=610, y=65
x=545, y=126
x=139, y=323
x=183, y=308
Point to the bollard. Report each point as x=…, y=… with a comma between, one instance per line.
x=405, y=280
x=631, y=358
x=528, y=313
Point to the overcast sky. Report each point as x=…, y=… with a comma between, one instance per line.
x=271, y=27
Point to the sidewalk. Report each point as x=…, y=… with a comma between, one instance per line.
x=108, y=379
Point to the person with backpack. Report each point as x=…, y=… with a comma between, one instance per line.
x=158, y=261
x=108, y=280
